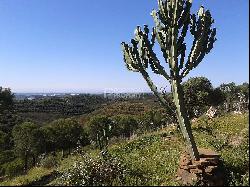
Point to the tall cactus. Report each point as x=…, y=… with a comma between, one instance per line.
x=172, y=22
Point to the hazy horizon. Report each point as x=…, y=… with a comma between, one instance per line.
x=74, y=45
x=99, y=91
x=82, y=92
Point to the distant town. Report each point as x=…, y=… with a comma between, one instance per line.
x=35, y=96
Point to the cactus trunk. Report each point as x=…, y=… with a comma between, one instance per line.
x=183, y=120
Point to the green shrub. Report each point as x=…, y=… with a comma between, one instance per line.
x=6, y=156
x=2, y=171
x=236, y=179
x=14, y=168
x=94, y=172
x=48, y=162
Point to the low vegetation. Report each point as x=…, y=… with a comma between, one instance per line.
x=152, y=158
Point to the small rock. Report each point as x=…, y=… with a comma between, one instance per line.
x=196, y=170
x=178, y=178
x=210, y=169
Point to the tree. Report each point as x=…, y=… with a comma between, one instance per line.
x=172, y=21
x=124, y=125
x=243, y=95
x=3, y=137
x=217, y=97
x=27, y=141
x=153, y=119
x=244, y=89
x=63, y=134
x=6, y=99
x=229, y=91
x=8, y=117
x=198, y=95
x=100, y=131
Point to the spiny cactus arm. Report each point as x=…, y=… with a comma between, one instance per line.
x=204, y=38
x=183, y=23
x=173, y=59
x=185, y=12
x=138, y=66
x=169, y=19
x=161, y=34
x=141, y=52
x=182, y=54
x=153, y=60
x=145, y=44
x=129, y=58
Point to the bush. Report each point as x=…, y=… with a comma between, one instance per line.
x=48, y=162
x=94, y=172
x=124, y=125
x=6, y=156
x=63, y=134
x=99, y=129
x=14, y=168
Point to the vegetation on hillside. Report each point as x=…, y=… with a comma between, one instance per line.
x=152, y=158
x=143, y=140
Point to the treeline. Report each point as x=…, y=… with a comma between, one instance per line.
x=68, y=105
x=31, y=140
x=200, y=95
x=28, y=141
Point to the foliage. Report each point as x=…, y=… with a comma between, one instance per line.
x=197, y=93
x=8, y=116
x=33, y=175
x=154, y=119
x=41, y=118
x=235, y=94
x=229, y=135
x=63, y=134
x=3, y=137
x=94, y=172
x=28, y=141
x=152, y=159
x=6, y=99
x=100, y=130
x=67, y=106
x=216, y=97
x=48, y=161
x=130, y=107
x=170, y=111
x=244, y=89
x=124, y=125
x=14, y=167
x=6, y=157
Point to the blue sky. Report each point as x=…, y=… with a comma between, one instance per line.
x=74, y=45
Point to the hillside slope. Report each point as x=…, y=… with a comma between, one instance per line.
x=152, y=159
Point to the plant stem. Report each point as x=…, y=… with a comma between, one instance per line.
x=183, y=120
